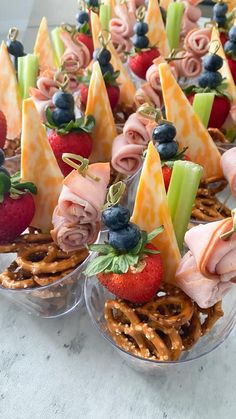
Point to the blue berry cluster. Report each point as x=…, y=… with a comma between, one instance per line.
x=103, y=56
x=123, y=235
x=82, y=19
x=164, y=135
x=230, y=45
x=2, y=160
x=64, y=108
x=211, y=77
x=219, y=14
x=15, y=48
x=140, y=39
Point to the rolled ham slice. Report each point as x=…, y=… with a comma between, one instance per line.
x=147, y=94
x=189, y=66
x=135, y=130
x=228, y=164
x=126, y=157
x=76, y=218
x=192, y=14
x=42, y=95
x=197, y=41
x=76, y=55
x=208, y=270
x=124, y=21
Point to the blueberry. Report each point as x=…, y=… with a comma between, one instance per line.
x=63, y=100
x=220, y=9
x=116, y=218
x=163, y=14
x=222, y=20
x=141, y=28
x=210, y=79
x=62, y=116
x=2, y=157
x=212, y=62
x=167, y=150
x=5, y=171
x=82, y=17
x=15, y=48
x=164, y=133
x=106, y=68
x=230, y=46
x=92, y=3
x=126, y=238
x=232, y=34
x=104, y=57
x=140, y=41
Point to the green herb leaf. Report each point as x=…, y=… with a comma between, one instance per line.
x=154, y=233
x=99, y=264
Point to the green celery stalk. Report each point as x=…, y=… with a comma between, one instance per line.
x=105, y=16
x=181, y=194
x=27, y=73
x=175, y=13
x=58, y=46
x=202, y=105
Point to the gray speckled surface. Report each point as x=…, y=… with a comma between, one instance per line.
x=63, y=369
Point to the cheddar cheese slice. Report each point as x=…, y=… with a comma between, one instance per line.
x=157, y=33
x=231, y=5
x=43, y=46
x=39, y=165
x=190, y=131
x=151, y=211
x=10, y=101
x=225, y=70
x=127, y=87
x=98, y=105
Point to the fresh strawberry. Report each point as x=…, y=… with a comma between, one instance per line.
x=73, y=142
x=232, y=66
x=223, y=38
x=166, y=172
x=219, y=112
x=142, y=60
x=112, y=91
x=17, y=207
x=3, y=129
x=88, y=41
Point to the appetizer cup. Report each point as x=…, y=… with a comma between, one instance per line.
x=96, y=296
x=50, y=301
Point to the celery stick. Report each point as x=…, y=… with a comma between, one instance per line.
x=175, y=13
x=182, y=191
x=105, y=16
x=202, y=105
x=58, y=46
x=27, y=73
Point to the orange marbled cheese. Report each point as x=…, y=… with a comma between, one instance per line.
x=157, y=33
x=43, y=46
x=10, y=101
x=98, y=105
x=190, y=131
x=127, y=87
x=151, y=211
x=39, y=165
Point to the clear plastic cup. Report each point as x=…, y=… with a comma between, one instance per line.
x=96, y=296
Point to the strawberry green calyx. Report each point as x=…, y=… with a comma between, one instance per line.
x=178, y=156
x=218, y=91
x=109, y=79
x=111, y=260
x=13, y=186
x=82, y=124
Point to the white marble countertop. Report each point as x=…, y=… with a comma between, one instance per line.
x=63, y=369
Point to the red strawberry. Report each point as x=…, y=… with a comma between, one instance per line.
x=112, y=91
x=3, y=129
x=232, y=66
x=219, y=112
x=73, y=142
x=137, y=287
x=166, y=172
x=88, y=41
x=140, y=62
x=223, y=38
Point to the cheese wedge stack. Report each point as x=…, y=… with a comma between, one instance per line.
x=10, y=101
x=43, y=46
x=190, y=131
x=157, y=33
x=151, y=211
x=39, y=165
x=98, y=105
x=127, y=88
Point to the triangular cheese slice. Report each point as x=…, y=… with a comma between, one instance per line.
x=165, y=3
x=231, y=5
x=225, y=70
x=43, y=46
x=10, y=101
x=39, y=165
x=98, y=105
x=151, y=211
x=127, y=87
x=157, y=33
x=190, y=131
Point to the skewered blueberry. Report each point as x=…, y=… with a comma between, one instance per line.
x=141, y=41
x=167, y=150
x=230, y=47
x=92, y=3
x=220, y=9
x=82, y=17
x=116, y=218
x=210, y=79
x=106, y=68
x=62, y=116
x=164, y=133
x=15, y=48
x=5, y=171
x=221, y=21
x=104, y=57
x=212, y=62
x=141, y=28
x=2, y=157
x=232, y=34
x=63, y=100
x=126, y=238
